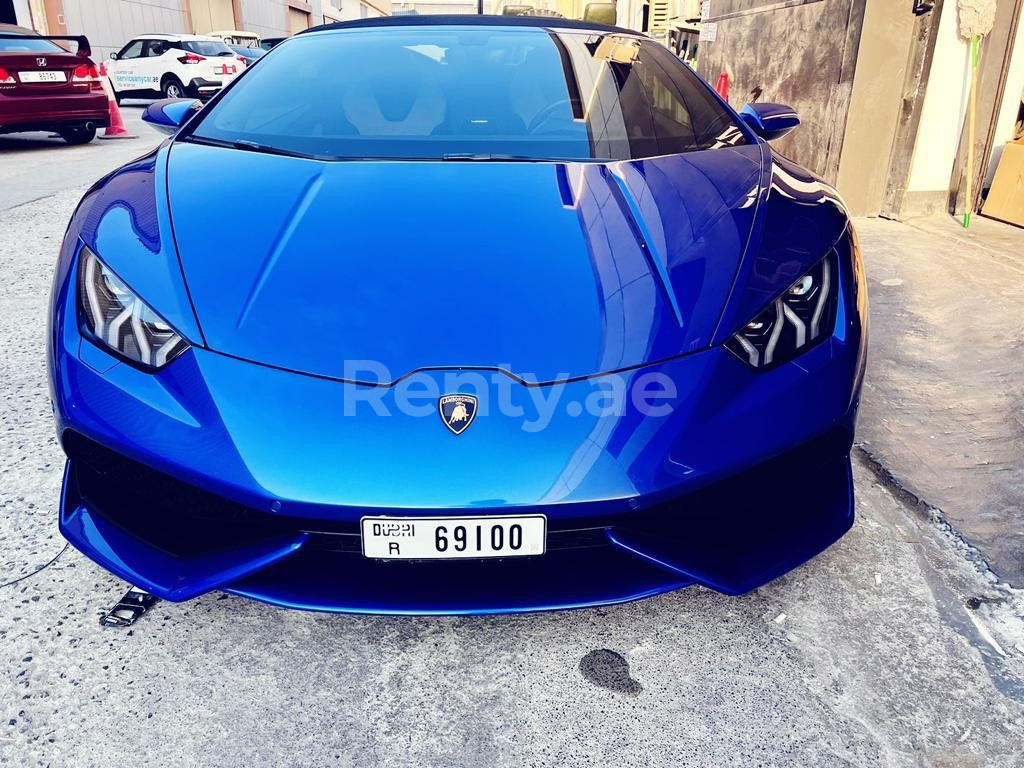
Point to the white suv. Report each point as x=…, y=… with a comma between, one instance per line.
x=172, y=66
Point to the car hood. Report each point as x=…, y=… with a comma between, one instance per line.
x=368, y=271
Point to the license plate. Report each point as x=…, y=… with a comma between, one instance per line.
x=42, y=77
x=447, y=538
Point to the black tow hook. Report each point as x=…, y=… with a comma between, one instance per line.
x=129, y=608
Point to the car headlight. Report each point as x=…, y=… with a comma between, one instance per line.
x=802, y=316
x=115, y=318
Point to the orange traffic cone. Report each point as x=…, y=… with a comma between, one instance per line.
x=116, y=129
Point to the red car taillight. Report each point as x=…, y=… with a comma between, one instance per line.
x=88, y=74
x=5, y=76
x=191, y=58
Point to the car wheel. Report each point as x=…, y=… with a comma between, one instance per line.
x=173, y=89
x=78, y=135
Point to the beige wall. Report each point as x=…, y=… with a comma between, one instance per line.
x=942, y=116
x=298, y=20
x=875, y=105
x=208, y=15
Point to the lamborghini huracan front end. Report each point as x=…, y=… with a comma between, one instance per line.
x=435, y=377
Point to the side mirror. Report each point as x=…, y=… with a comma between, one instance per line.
x=168, y=115
x=769, y=121
x=113, y=56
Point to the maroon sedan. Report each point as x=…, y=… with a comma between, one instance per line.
x=44, y=87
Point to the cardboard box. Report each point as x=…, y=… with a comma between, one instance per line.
x=1005, y=199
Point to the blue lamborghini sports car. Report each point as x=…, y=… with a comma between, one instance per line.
x=458, y=315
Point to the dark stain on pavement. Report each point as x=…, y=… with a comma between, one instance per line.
x=610, y=670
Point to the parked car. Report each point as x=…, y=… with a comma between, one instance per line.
x=610, y=342
x=269, y=42
x=249, y=55
x=44, y=87
x=172, y=66
x=237, y=37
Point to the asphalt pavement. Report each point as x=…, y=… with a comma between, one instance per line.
x=25, y=176
x=899, y=646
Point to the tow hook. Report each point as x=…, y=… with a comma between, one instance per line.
x=129, y=608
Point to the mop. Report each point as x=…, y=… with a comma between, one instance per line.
x=976, y=20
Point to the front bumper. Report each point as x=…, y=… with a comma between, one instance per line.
x=178, y=541
x=216, y=473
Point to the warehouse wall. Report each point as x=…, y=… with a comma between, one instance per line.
x=434, y=7
x=109, y=24
x=267, y=18
x=210, y=15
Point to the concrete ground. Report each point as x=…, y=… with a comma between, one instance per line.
x=896, y=647
x=944, y=397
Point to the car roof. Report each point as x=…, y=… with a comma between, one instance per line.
x=176, y=38
x=468, y=20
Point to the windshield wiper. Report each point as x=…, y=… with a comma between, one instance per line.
x=498, y=157
x=249, y=146
x=485, y=156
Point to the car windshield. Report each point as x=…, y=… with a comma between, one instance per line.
x=467, y=92
x=28, y=44
x=207, y=47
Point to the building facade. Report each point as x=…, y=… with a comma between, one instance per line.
x=439, y=7
x=109, y=24
x=882, y=90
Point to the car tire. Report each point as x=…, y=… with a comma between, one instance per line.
x=171, y=88
x=75, y=136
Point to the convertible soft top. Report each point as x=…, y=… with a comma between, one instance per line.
x=547, y=22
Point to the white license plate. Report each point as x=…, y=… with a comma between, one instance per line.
x=446, y=538
x=42, y=77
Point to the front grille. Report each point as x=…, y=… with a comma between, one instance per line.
x=184, y=521
x=576, y=538
x=161, y=510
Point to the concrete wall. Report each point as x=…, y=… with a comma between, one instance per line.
x=797, y=52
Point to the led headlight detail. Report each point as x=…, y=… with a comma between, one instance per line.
x=116, y=318
x=802, y=316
